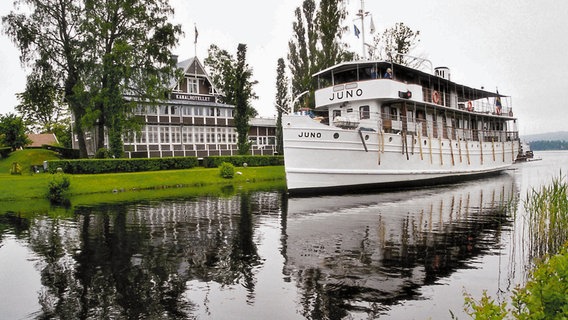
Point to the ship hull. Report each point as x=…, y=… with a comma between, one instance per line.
x=321, y=158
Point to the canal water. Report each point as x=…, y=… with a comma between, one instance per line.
x=261, y=255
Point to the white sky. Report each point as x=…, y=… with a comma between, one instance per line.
x=518, y=46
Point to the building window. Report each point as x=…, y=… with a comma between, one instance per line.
x=198, y=111
x=187, y=134
x=176, y=135
x=192, y=85
x=165, y=134
x=153, y=136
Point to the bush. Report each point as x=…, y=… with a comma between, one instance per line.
x=103, y=153
x=543, y=297
x=227, y=170
x=58, y=188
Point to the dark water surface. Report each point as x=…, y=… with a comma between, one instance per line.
x=401, y=255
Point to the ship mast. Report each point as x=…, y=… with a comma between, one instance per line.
x=362, y=15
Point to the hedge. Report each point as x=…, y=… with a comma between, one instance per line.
x=238, y=161
x=93, y=166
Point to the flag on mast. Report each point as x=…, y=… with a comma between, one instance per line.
x=356, y=31
x=196, y=34
x=372, y=27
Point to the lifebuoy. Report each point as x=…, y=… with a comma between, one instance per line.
x=469, y=106
x=436, y=97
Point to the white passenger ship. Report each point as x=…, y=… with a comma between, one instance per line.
x=389, y=125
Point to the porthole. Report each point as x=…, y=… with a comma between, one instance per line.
x=390, y=139
x=336, y=135
x=366, y=137
x=425, y=142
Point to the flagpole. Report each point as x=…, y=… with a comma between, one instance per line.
x=195, y=58
x=363, y=27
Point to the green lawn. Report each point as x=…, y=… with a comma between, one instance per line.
x=30, y=186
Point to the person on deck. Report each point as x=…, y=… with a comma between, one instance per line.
x=388, y=74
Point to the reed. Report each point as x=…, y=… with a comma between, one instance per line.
x=547, y=211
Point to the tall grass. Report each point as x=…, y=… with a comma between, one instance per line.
x=547, y=210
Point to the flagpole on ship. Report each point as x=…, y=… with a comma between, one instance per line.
x=362, y=14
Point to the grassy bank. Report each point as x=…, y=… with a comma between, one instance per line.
x=30, y=186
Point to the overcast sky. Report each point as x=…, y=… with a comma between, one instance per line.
x=519, y=47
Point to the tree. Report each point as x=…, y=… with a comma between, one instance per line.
x=233, y=78
x=281, y=102
x=398, y=42
x=129, y=45
x=13, y=132
x=316, y=43
x=50, y=31
x=101, y=51
x=242, y=94
x=41, y=104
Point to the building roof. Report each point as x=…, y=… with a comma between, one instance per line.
x=39, y=140
x=262, y=122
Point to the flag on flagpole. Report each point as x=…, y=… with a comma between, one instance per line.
x=356, y=31
x=372, y=28
x=196, y=34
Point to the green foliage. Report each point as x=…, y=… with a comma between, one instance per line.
x=65, y=153
x=398, y=39
x=103, y=153
x=58, y=188
x=548, y=217
x=94, y=53
x=484, y=309
x=545, y=296
x=227, y=170
x=13, y=132
x=281, y=102
x=96, y=166
x=316, y=44
x=239, y=161
x=41, y=103
x=5, y=152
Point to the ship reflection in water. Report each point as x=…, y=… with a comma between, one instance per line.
x=251, y=255
x=356, y=255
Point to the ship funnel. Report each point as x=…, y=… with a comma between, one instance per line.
x=442, y=72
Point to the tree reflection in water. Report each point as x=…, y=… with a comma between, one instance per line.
x=334, y=257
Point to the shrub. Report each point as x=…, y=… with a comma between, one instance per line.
x=58, y=188
x=227, y=170
x=543, y=297
x=103, y=153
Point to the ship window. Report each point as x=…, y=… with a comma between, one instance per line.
x=336, y=113
x=349, y=110
x=364, y=112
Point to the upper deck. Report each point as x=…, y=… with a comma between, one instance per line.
x=368, y=80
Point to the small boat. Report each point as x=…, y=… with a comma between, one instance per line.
x=526, y=154
x=406, y=128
